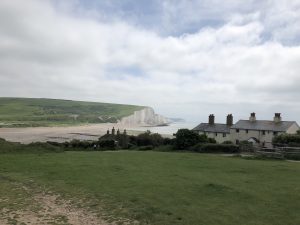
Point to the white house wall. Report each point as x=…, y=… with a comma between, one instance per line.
x=242, y=135
x=219, y=137
x=265, y=138
x=293, y=129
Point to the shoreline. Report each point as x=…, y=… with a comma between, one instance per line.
x=26, y=135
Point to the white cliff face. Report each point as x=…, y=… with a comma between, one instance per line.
x=145, y=117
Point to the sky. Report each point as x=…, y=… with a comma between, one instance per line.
x=184, y=58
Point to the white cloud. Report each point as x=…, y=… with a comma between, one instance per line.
x=230, y=68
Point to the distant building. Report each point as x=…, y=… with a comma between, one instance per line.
x=258, y=132
x=219, y=131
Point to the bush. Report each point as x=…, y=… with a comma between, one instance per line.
x=38, y=147
x=168, y=141
x=186, y=138
x=196, y=147
x=147, y=139
x=107, y=144
x=227, y=143
x=6, y=146
x=293, y=156
x=164, y=148
x=43, y=147
x=215, y=148
x=77, y=144
x=146, y=148
x=286, y=139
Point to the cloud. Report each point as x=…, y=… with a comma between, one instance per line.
x=246, y=62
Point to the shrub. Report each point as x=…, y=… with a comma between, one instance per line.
x=6, y=146
x=146, y=139
x=196, y=147
x=227, y=143
x=286, y=139
x=215, y=148
x=38, y=147
x=43, y=147
x=156, y=139
x=164, y=148
x=168, y=141
x=107, y=144
x=186, y=138
x=293, y=156
x=145, y=148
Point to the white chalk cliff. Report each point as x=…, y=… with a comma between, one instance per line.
x=145, y=117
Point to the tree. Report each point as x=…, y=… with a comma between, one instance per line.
x=286, y=139
x=185, y=138
x=147, y=138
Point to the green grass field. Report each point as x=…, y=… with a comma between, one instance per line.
x=161, y=188
x=26, y=112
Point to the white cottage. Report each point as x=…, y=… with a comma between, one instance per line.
x=219, y=131
x=261, y=132
x=258, y=132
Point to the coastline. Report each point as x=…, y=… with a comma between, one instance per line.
x=67, y=133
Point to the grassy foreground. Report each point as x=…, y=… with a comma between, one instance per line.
x=164, y=188
x=27, y=112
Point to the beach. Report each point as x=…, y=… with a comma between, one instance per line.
x=84, y=132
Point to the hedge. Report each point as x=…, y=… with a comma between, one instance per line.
x=215, y=148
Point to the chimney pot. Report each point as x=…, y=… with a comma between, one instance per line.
x=229, y=120
x=252, y=117
x=277, y=117
x=211, y=119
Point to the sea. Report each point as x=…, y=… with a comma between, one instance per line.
x=170, y=129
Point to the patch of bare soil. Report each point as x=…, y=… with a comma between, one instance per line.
x=49, y=208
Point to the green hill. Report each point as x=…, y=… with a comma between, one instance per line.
x=28, y=112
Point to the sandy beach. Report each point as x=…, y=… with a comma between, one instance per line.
x=62, y=134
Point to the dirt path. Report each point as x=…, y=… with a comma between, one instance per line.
x=51, y=209
x=33, y=205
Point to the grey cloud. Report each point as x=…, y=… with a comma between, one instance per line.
x=229, y=68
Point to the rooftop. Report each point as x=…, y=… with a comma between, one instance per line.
x=216, y=128
x=263, y=125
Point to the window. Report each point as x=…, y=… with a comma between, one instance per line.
x=237, y=130
x=216, y=134
x=263, y=132
x=247, y=131
x=275, y=133
x=224, y=134
x=237, y=142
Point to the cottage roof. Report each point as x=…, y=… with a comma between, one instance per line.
x=267, y=125
x=216, y=128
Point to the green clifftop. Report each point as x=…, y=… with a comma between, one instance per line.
x=28, y=112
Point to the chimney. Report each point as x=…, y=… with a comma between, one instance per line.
x=277, y=118
x=229, y=120
x=211, y=119
x=252, y=117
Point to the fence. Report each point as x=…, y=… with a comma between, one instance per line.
x=280, y=152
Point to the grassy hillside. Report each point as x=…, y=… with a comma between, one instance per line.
x=157, y=188
x=25, y=112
